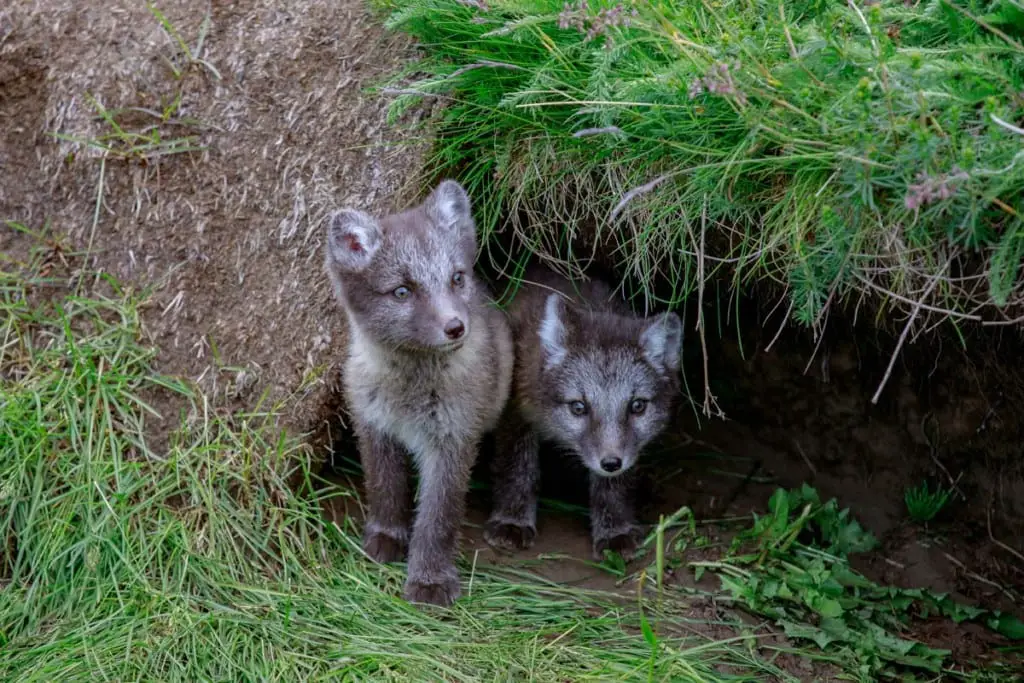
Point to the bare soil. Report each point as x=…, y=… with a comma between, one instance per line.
x=229, y=236
x=229, y=239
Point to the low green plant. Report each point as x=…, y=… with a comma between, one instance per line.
x=839, y=150
x=187, y=56
x=792, y=567
x=923, y=504
x=139, y=134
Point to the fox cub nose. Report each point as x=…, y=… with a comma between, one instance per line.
x=611, y=464
x=454, y=329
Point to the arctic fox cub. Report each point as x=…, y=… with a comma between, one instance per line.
x=427, y=375
x=596, y=381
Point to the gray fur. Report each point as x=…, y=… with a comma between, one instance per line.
x=412, y=389
x=581, y=344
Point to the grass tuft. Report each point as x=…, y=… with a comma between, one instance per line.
x=923, y=504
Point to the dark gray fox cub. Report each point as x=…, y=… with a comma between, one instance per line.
x=428, y=373
x=595, y=380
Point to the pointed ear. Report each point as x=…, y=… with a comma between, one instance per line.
x=353, y=237
x=449, y=206
x=552, y=331
x=662, y=341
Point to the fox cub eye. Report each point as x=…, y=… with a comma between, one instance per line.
x=401, y=292
x=637, y=406
x=578, y=408
x=459, y=278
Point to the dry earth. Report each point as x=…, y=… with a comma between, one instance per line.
x=231, y=234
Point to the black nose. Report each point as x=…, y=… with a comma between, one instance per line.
x=454, y=329
x=611, y=464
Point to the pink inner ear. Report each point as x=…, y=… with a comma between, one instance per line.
x=352, y=242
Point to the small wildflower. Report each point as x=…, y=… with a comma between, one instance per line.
x=719, y=80
x=578, y=16
x=930, y=189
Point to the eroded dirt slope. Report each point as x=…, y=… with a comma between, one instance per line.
x=274, y=94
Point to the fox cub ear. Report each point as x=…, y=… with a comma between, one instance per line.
x=662, y=341
x=450, y=208
x=552, y=332
x=353, y=237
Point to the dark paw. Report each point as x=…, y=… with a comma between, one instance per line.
x=509, y=536
x=442, y=594
x=624, y=544
x=383, y=548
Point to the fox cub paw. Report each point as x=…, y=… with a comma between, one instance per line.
x=509, y=536
x=442, y=594
x=383, y=548
x=625, y=544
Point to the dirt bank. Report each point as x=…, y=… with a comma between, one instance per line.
x=97, y=100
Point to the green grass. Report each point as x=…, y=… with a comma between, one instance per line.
x=208, y=558
x=837, y=150
x=923, y=504
x=200, y=562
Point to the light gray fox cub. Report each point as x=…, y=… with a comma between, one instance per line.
x=599, y=383
x=427, y=375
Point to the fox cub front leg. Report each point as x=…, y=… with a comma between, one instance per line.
x=444, y=480
x=515, y=477
x=385, y=465
x=612, y=520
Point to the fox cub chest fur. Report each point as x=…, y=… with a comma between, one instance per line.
x=427, y=374
x=597, y=382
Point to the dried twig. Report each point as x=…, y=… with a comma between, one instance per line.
x=642, y=189
x=932, y=453
x=710, y=402
x=997, y=323
x=906, y=330
x=782, y=326
x=810, y=465
x=978, y=577
x=988, y=520
x=918, y=305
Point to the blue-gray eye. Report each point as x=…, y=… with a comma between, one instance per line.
x=459, y=278
x=401, y=292
x=637, y=406
x=578, y=408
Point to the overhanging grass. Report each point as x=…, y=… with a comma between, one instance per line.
x=841, y=150
x=119, y=562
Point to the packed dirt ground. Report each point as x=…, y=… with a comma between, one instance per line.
x=230, y=237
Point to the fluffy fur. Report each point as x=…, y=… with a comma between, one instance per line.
x=596, y=381
x=427, y=375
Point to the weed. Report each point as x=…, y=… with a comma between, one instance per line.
x=138, y=134
x=923, y=504
x=152, y=129
x=143, y=133
x=186, y=56
x=793, y=569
